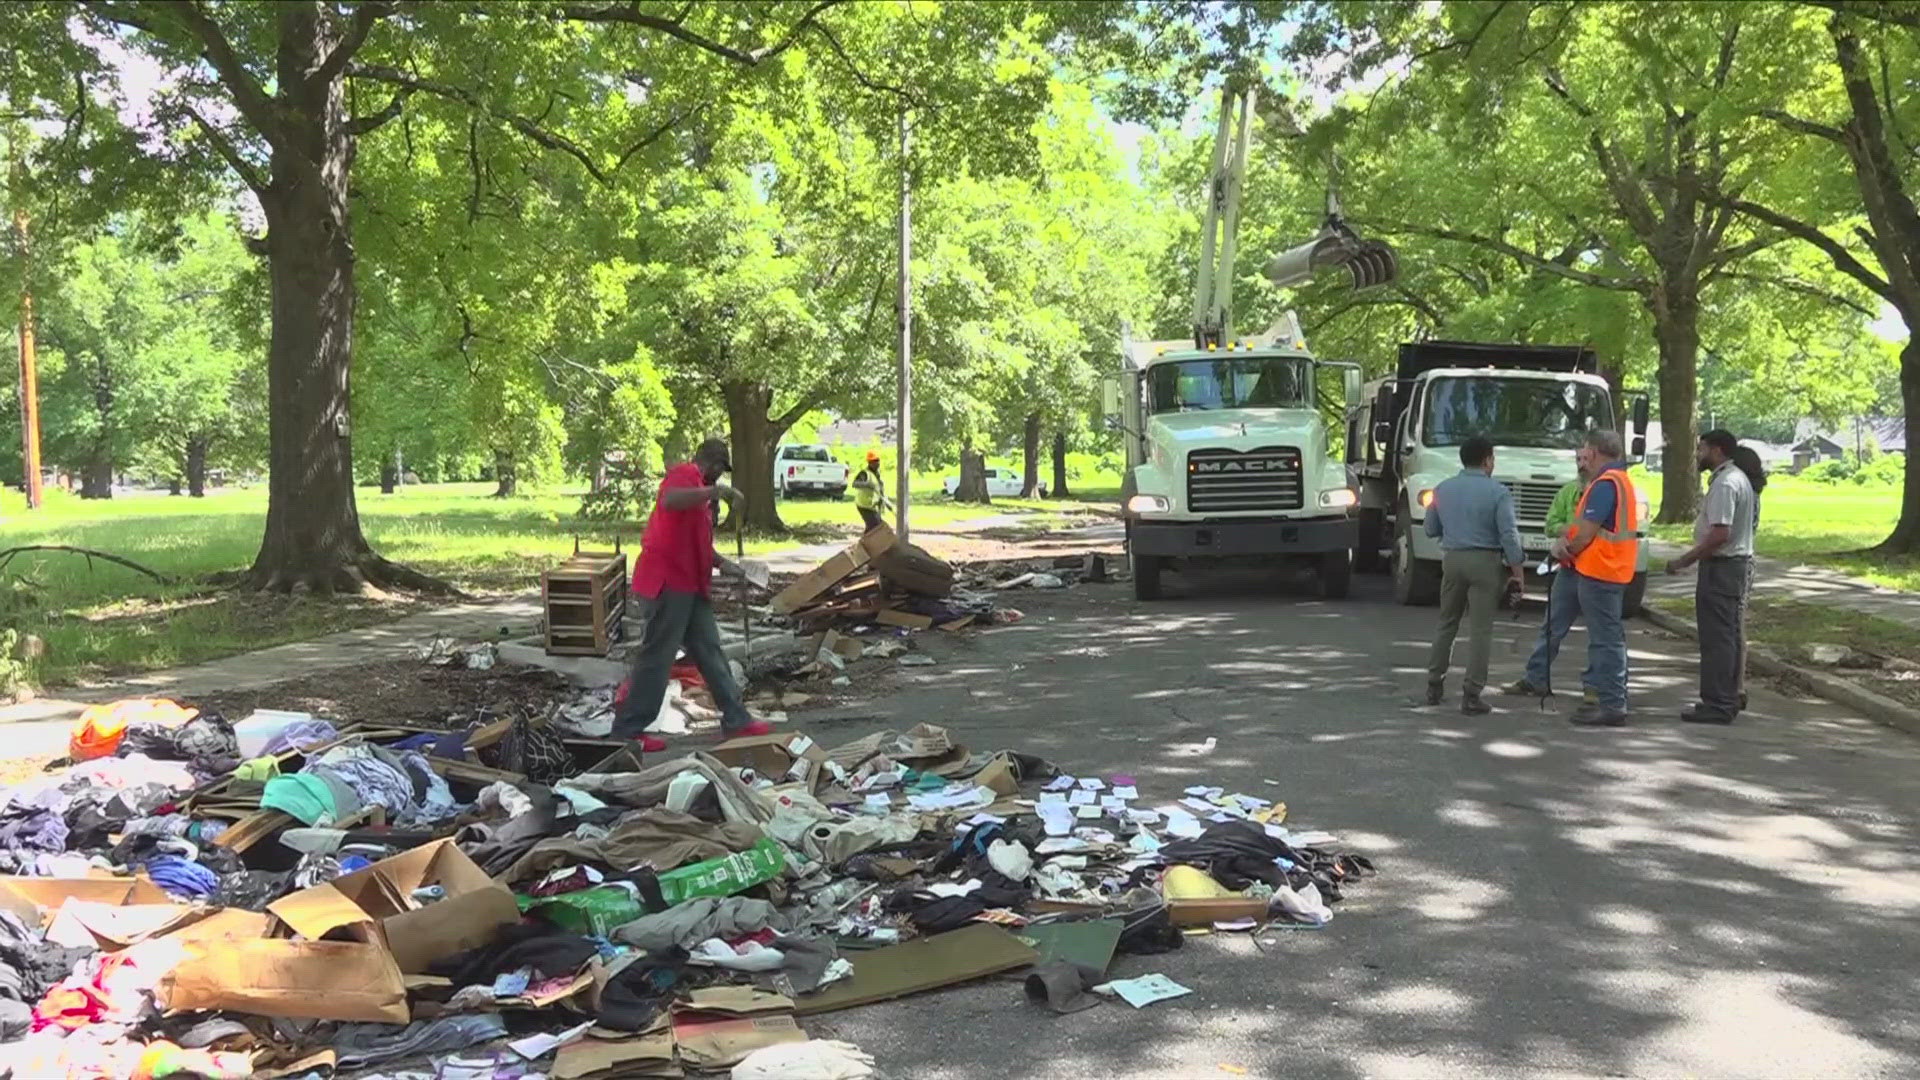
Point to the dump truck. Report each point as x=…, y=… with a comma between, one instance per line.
x=1535, y=402
x=1227, y=449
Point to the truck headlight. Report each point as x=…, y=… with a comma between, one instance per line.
x=1148, y=504
x=1426, y=497
x=1335, y=498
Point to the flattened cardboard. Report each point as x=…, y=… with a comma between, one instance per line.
x=771, y=757
x=890, y=617
x=89, y=924
x=998, y=775
x=715, y=1040
x=1088, y=944
x=913, y=966
x=314, y=980
x=35, y=900
x=647, y=1055
x=735, y=1001
x=474, y=908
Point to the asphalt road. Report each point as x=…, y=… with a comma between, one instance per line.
x=1660, y=900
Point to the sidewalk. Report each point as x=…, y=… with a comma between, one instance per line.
x=518, y=614
x=1782, y=580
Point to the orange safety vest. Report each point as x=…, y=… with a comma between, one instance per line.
x=1612, y=554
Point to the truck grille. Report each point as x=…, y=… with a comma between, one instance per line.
x=1240, y=481
x=1531, y=501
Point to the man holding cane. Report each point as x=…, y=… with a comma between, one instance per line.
x=673, y=581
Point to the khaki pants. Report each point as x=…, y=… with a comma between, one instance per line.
x=1471, y=586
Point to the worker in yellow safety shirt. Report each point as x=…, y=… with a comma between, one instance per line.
x=870, y=493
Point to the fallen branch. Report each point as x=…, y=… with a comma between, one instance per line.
x=91, y=554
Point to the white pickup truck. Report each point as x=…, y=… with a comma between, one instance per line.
x=805, y=467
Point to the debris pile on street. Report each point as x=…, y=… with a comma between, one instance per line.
x=292, y=896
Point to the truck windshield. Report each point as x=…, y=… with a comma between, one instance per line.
x=1239, y=382
x=806, y=453
x=1514, y=412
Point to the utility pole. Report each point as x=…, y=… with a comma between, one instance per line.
x=903, y=433
x=29, y=376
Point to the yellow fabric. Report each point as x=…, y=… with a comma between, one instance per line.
x=99, y=730
x=1191, y=883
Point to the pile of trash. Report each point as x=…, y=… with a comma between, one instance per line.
x=287, y=896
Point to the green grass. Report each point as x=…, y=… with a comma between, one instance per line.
x=1785, y=625
x=1820, y=524
x=101, y=620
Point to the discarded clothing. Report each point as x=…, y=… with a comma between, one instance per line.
x=32, y=828
x=360, y=1045
x=302, y=796
x=648, y=787
x=660, y=838
x=182, y=877
x=637, y=986
x=541, y=950
x=686, y=925
x=300, y=735
x=30, y=965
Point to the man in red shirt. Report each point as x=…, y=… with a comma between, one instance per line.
x=672, y=580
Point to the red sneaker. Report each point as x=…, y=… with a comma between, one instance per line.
x=758, y=727
x=652, y=744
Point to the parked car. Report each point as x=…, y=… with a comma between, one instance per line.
x=805, y=467
x=1001, y=484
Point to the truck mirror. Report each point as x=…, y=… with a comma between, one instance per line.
x=1350, y=382
x=1640, y=416
x=1382, y=431
x=1639, y=448
x=1110, y=398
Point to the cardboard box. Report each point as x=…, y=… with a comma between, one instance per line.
x=890, y=617
x=417, y=934
x=1207, y=911
x=311, y=980
x=35, y=899
x=778, y=756
x=834, y=570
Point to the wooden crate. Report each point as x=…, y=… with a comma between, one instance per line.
x=585, y=599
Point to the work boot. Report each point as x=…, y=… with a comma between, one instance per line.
x=1699, y=713
x=1743, y=702
x=1523, y=688
x=1436, y=693
x=1592, y=714
x=1471, y=704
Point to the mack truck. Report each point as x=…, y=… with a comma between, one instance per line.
x=1535, y=402
x=1227, y=449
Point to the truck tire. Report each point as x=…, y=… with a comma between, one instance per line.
x=1145, y=570
x=1367, y=558
x=1336, y=575
x=1634, y=600
x=1416, y=581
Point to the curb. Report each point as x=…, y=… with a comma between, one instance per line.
x=1878, y=706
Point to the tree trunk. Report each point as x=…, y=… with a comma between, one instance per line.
x=389, y=474
x=173, y=485
x=1059, y=488
x=1676, y=326
x=973, y=478
x=197, y=466
x=1030, y=449
x=1905, y=539
x=312, y=541
x=506, y=476
x=753, y=437
x=96, y=477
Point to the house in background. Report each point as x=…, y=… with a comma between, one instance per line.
x=857, y=432
x=1863, y=436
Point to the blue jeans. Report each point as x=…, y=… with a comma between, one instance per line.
x=1563, y=606
x=677, y=620
x=1600, y=602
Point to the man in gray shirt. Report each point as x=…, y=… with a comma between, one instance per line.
x=1723, y=547
x=1472, y=516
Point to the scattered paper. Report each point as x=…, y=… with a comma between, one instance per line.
x=1207, y=748
x=1219, y=818
x=1204, y=791
x=800, y=745
x=1144, y=990
x=1200, y=805
x=1091, y=783
x=1185, y=828
x=1059, y=783
x=1108, y=802
x=1311, y=838
x=545, y=1042
x=982, y=819
x=1087, y=812
x=953, y=800
x=1249, y=802
x=1125, y=792
x=881, y=802
x=1056, y=817
x=1059, y=798
x=1143, y=817
x=1093, y=836
x=1235, y=924
x=1056, y=845
x=1144, y=843
x=1081, y=797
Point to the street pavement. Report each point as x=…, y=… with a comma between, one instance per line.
x=1659, y=900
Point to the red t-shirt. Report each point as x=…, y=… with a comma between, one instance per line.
x=676, y=552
